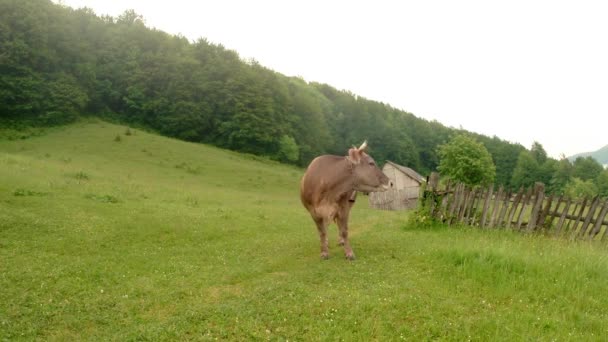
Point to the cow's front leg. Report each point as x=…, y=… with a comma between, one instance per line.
x=343, y=227
x=322, y=228
x=345, y=212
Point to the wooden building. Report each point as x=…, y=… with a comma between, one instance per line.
x=404, y=192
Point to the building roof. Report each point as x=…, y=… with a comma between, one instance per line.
x=407, y=171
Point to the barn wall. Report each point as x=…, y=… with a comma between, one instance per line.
x=400, y=180
x=395, y=199
x=404, y=194
x=390, y=172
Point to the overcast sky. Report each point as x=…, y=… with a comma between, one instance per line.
x=520, y=70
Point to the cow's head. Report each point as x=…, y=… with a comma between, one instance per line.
x=367, y=176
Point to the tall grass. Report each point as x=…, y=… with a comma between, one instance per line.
x=166, y=240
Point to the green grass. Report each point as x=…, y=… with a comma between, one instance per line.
x=149, y=238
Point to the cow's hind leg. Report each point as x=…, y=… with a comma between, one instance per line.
x=322, y=228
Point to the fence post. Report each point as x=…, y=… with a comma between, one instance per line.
x=599, y=221
x=465, y=202
x=455, y=208
x=486, y=204
x=539, y=195
x=594, y=205
x=503, y=211
x=562, y=217
x=495, y=208
x=433, y=184
x=543, y=215
x=524, y=204
x=474, y=203
x=511, y=215
x=578, y=218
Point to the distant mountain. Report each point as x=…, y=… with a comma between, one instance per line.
x=600, y=155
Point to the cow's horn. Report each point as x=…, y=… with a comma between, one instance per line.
x=363, y=146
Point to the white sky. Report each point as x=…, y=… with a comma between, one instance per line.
x=521, y=70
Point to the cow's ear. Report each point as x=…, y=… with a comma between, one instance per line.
x=354, y=155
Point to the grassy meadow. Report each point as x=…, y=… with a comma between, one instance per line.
x=109, y=233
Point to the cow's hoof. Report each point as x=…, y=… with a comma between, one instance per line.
x=350, y=257
x=324, y=256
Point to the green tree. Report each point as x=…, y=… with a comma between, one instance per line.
x=505, y=157
x=57, y=63
x=288, y=149
x=538, y=152
x=526, y=171
x=587, y=168
x=546, y=171
x=602, y=183
x=561, y=176
x=466, y=160
x=578, y=188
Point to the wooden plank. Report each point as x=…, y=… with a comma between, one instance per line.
x=454, y=208
x=454, y=203
x=603, y=223
x=495, y=207
x=599, y=220
x=444, y=201
x=543, y=215
x=467, y=206
x=514, y=207
x=579, y=217
x=463, y=206
x=571, y=217
x=486, y=204
x=524, y=204
x=470, y=214
x=433, y=184
x=589, y=217
x=562, y=218
x=503, y=211
x=539, y=196
x=475, y=206
x=554, y=213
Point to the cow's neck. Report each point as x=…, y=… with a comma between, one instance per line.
x=346, y=184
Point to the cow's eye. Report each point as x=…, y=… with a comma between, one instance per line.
x=372, y=163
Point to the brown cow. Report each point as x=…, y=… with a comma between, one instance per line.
x=329, y=187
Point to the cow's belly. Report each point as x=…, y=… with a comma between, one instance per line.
x=326, y=210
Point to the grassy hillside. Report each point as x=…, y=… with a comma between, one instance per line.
x=152, y=238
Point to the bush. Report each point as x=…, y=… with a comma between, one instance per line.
x=466, y=160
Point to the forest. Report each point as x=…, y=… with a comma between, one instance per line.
x=58, y=64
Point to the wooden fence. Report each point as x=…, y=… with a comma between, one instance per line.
x=394, y=199
x=526, y=209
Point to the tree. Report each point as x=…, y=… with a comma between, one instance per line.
x=56, y=64
x=538, y=152
x=602, y=183
x=561, y=176
x=587, y=168
x=526, y=171
x=578, y=188
x=466, y=160
x=288, y=149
